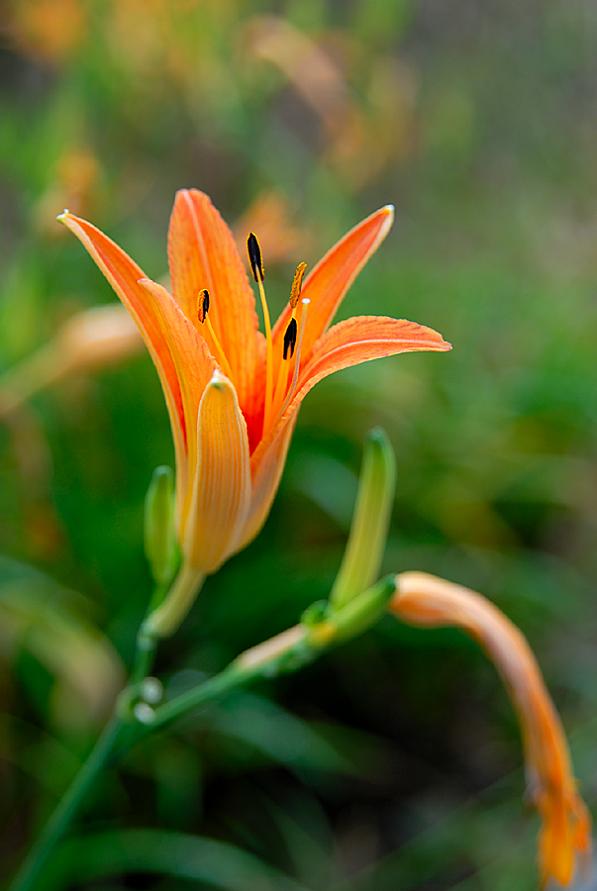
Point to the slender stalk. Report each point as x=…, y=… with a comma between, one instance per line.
x=116, y=737
x=164, y=620
x=284, y=653
x=144, y=657
x=120, y=734
x=69, y=805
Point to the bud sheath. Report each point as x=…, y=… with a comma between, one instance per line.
x=160, y=529
x=369, y=529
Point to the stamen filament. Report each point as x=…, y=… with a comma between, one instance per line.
x=269, y=355
x=290, y=335
x=219, y=349
x=281, y=383
x=203, y=302
x=297, y=355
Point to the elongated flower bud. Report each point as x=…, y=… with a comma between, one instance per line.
x=98, y=337
x=369, y=529
x=565, y=835
x=160, y=528
x=88, y=341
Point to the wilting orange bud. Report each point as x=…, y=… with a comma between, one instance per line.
x=92, y=338
x=102, y=335
x=431, y=602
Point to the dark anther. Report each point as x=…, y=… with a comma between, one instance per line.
x=255, y=258
x=203, y=305
x=290, y=339
x=297, y=284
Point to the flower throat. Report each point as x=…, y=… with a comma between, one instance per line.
x=278, y=392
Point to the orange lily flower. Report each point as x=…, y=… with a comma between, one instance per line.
x=232, y=392
x=431, y=602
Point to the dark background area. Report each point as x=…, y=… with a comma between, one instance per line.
x=394, y=762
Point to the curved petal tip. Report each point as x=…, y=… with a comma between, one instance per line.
x=390, y=212
x=218, y=380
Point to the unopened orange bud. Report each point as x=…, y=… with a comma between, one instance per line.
x=103, y=335
x=565, y=836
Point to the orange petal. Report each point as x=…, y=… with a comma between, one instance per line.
x=266, y=479
x=221, y=490
x=431, y=602
x=362, y=338
x=348, y=343
x=194, y=366
x=329, y=281
x=124, y=275
x=202, y=254
x=351, y=342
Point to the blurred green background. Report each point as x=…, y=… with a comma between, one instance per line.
x=395, y=762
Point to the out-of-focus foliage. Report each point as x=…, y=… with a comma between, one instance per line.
x=394, y=762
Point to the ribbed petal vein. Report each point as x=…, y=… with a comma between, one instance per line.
x=221, y=490
x=202, y=254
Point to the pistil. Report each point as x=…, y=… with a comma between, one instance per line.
x=304, y=308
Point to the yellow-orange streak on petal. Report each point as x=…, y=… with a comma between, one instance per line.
x=431, y=602
x=328, y=282
x=124, y=275
x=356, y=340
x=194, y=366
x=202, y=254
x=221, y=490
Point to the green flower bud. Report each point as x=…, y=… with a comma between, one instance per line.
x=160, y=527
x=369, y=529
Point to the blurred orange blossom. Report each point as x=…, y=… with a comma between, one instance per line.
x=233, y=393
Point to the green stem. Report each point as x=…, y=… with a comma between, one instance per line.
x=284, y=653
x=116, y=735
x=62, y=817
x=120, y=735
x=144, y=656
x=165, y=619
x=287, y=652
